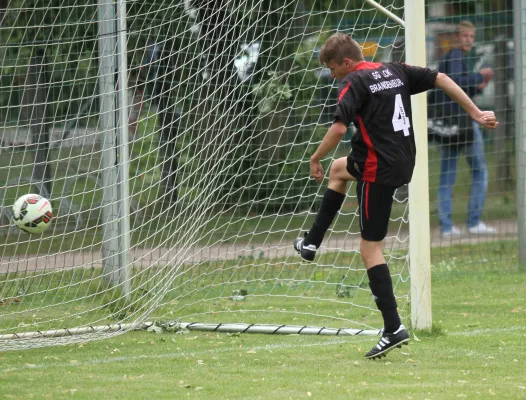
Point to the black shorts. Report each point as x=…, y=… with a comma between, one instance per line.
x=375, y=202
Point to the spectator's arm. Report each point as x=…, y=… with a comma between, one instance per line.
x=455, y=92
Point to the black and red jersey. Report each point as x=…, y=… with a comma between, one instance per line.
x=376, y=98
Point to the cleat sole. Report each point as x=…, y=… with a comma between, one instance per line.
x=384, y=353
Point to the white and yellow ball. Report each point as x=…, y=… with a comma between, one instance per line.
x=32, y=213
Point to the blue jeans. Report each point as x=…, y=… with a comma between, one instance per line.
x=479, y=176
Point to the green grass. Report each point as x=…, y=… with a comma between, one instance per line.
x=42, y=300
x=206, y=366
x=332, y=291
x=476, y=350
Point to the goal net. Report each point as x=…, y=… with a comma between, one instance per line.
x=173, y=140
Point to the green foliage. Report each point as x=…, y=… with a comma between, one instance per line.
x=270, y=92
x=144, y=152
x=66, y=38
x=269, y=170
x=285, y=187
x=274, y=180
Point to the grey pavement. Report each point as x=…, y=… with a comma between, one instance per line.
x=162, y=256
x=79, y=137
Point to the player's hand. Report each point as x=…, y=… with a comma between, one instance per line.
x=316, y=170
x=487, y=119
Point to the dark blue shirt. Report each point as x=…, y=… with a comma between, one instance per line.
x=454, y=64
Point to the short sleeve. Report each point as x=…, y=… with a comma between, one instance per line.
x=348, y=104
x=420, y=79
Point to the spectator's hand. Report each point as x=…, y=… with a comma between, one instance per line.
x=481, y=86
x=316, y=170
x=487, y=74
x=487, y=119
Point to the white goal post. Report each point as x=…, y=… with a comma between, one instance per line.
x=419, y=227
x=173, y=140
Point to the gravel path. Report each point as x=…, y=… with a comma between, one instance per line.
x=145, y=257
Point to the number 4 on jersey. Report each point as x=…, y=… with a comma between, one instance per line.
x=400, y=119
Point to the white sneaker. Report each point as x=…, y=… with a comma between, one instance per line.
x=454, y=232
x=482, y=229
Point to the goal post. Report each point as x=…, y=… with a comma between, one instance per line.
x=520, y=123
x=419, y=227
x=113, y=125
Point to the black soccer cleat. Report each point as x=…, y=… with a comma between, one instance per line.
x=307, y=253
x=388, y=342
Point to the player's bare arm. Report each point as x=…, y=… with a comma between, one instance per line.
x=333, y=136
x=485, y=118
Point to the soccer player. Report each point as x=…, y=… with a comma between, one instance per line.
x=376, y=98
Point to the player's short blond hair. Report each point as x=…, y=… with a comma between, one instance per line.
x=464, y=26
x=338, y=47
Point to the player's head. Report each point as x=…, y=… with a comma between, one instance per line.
x=341, y=54
x=465, y=35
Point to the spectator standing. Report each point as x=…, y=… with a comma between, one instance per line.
x=468, y=139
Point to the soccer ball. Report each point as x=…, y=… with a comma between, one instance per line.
x=32, y=213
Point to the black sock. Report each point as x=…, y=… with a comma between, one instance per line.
x=382, y=287
x=330, y=205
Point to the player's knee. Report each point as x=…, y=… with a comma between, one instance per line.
x=335, y=168
x=338, y=170
x=371, y=252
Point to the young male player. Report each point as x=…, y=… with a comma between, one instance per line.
x=376, y=98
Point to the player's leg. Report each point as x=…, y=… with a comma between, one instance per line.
x=330, y=205
x=448, y=171
x=339, y=176
x=375, y=202
x=479, y=186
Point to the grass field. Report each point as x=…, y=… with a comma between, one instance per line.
x=476, y=351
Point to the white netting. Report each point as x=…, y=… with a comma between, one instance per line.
x=225, y=103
